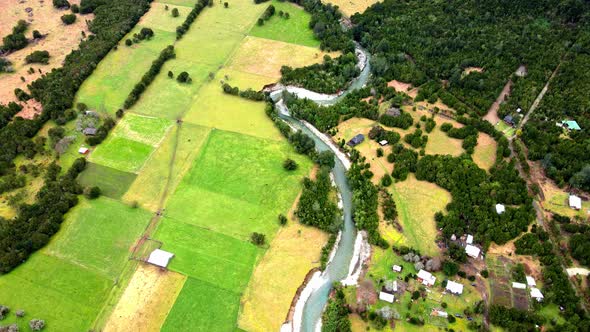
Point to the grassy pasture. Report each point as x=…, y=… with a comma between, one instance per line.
x=143, y=129
x=293, y=30
x=207, y=45
x=206, y=255
x=121, y=153
x=417, y=202
x=201, y=306
x=238, y=18
x=239, y=184
x=67, y=296
x=98, y=234
x=160, y=18
x=149, y=186
x=485, y=151
x=112, y=182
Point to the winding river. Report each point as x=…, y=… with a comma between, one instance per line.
x=345, y=256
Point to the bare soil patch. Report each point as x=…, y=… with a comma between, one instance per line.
x=406, y=88
x=492, y=115
x=470, y=70
x=146, y=301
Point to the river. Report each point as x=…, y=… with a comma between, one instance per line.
x=314, y=298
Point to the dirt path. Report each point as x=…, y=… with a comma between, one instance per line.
x=492, y=115
x=539, y=98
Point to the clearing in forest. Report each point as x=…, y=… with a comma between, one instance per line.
x=351, y=7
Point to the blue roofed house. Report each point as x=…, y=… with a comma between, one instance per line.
x=509, y=120
x=358, y=139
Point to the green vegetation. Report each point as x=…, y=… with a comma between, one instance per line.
x=316, y=207
x=112, y=182
x=38, y=57
x=16, y=40
x=122, y=153
x=335, y=317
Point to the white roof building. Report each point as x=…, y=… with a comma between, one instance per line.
x=536, y=294
x=454, y=287
x=469, y=239
x=395, y=285
x=440, y=313
x=427, y=278
x=518, y=285
x=500, y=208
x=386, y=297
x=397, y=268
x=83, y=150
x=531, y=281
x=160, y=258
x=383, y=142
x=472, y=251
x=575, y=202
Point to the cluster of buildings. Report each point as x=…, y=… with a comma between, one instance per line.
x=532, y=285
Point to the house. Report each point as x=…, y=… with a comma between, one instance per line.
x=426, y=278
x=383, y=142
x=536, y=294
x=383, y=296
x=397, y=268
x=472, y=251
x=518, y=285
x=454, y=287
x=531, y=281
x=575, y=202
x=394, y=286
x=358, y=139
x=393, y=111
x=160, y=258
x=89, y=131
x=509, y=120
x=439, y=313
x=500, y=208
x=570, y=125
x=469, y=239
x=83, y=150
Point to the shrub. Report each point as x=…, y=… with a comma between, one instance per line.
x=60, y=4
x=21, y=95
x=290, y=164
x=92, y=192
x=444, y=304
x=4, y=310
x=282, y=219
x=128, y=42
x=37, y=34
x=379, y=152
x=386, y=180
x=225, y=4
x=120, y=112
x=175, y=12
x=183, y=77
x=451, y=319
x=38, y=57
x=260, y=22
x=415, y=295
x=485, y=273
x=258, y=238
x=170, y=74
x=36, y=324
x=75, y=8
x=68, y=19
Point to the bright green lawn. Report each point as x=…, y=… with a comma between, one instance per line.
x=98, y=234
x=160, y=18
x=143, y=129
x=201, y=306
x=112, y=182
x=207, y=45
x=67, y=296
x=238, y=185
x=207, y=255
x=238, y=17
x=293, y=30
x=121, y=153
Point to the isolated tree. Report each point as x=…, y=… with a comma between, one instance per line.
x=286, y=15
x=61, y=4
x=128, y=42
x=260, y=22
x=4, y=310
x=282, y=219
x=182, y=77
x=36, y=324
x=290, y=164
x=170, y=74
x=146, y=33
x=225, y=4
x=92, y=192
x=386, y=180
x=175, y=12
x=68, y=19
x=120, y=113
x=37, y=34
x=75, y=8
x=258, y=238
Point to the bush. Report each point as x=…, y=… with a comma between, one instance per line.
x=225, y=4
x=415, y=295
x=451, y=319
x=444, y=305
x=4, y=310
x=175, y=12
x=258, y=238
x=386, y=180
x=38, y=57
x=61, y=4
x=260, y=22
x=92, y=192
x=68, y=19
x=379, y=152
x=120, y=112
x=282, y=219
x=75, y=8
x=36, y=324
x=128, y=42
x=290, y=164
x=485, y=273
x=183, y=77
x=37, y=34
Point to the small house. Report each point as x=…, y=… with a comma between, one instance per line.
x=358, y=139
x=536, y=294
x=531, y=281
x=454, y=287
x=393, y=111
x=383, y=296
x=518, y=110
x=518, y=285
x=160, y=258
x=570, y=125
x=383, y=142
x=89, y=131
x=509, y=120
x=439, y=313
x=472, y=251
x=397, y=268
x=575, y=202
x=426, y=278
x=469, y=239
x=500, y=208
x=83, y=150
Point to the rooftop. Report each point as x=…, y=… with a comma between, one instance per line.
x=454, y=287
x=472, y=251
x=160, y=258
x=427, y=278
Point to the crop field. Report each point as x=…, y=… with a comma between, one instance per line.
x=294, y=30
x=417, y=202
x=112, y=183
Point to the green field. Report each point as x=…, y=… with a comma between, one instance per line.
x=112, y=182
x=121, y=153
x=201, y=306
x=143, y=129
x=98, y=234
x=294, y=30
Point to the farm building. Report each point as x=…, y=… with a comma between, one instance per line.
x=358, y=139
x=531, y=281
x=89, y=131
x=536, y=294
x=426, y=278
x=518, y=110
x=472, y=251
x=509, y=120
x=83, y=150
x=393, y=111
x=383, y=142
x=570, y=125
x=500, y=208
x=397, y=268
x=383, y=296
x=469, y=239
x=518, y=285
x=160, y=258
x=575, y=202
x=439, y=313
x=454, y=287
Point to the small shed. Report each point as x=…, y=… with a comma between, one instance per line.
x=509, y=120
x=383, y=142
x=358, y=139
x=571, y=125
x=83, y=150
x=454, y=287
x=426, y=278
x=536, y=294
x=89, y=131
x=383, y=296
x=531, y=281
x=397, y=268
x=575, y=202
x=518, y=110
x=500, y=208
x=393, y=111
x=469, y=239
x=160, y=258
x=518, y=285
x=472, y=251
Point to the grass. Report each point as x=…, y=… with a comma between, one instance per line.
x=239, y=184
x=149, y=186
x=206, y=255
x=143, y=129
x=207, y=45
x=238, y=18
x=98, y=235
x=417, y=202
x=201, y=306
x=293, y=30
x=112, y=183
x=160, y=18
x=505, y=129
x=485, y=151
x=557, y=201
x=293, y=252
x=121, y=153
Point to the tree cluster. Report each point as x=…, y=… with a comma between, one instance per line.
x=267, y=14
x=38, y=57
x=61, y=4
x=316, y=206
x=335, y=316
x=68, y=19
x=403, y=121
x=513, y=319
x=248, y=93
x=16, y=40
x=191, y=17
